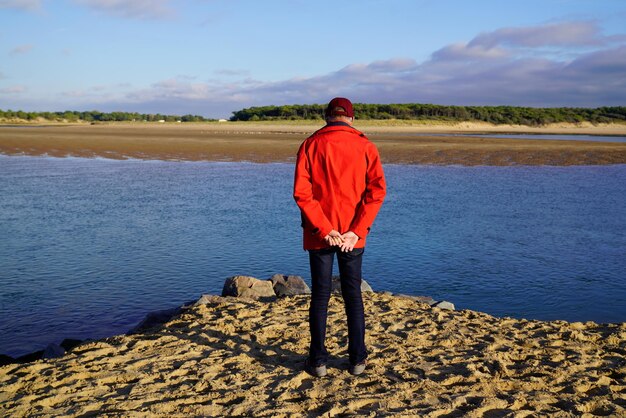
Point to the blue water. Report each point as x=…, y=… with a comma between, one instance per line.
x=553, y=137
x=556, y=137
x=88, y=246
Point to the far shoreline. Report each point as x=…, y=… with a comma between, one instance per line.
x=465, y=143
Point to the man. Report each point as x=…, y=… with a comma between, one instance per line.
x=339, y=187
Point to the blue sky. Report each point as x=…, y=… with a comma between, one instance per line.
x=211, y=57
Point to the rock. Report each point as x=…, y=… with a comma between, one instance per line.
x=27, y=358
x=53, y=351
x=4, y=360
x=444, y=305
x=208, y=300
x=190, y=303
x=365, y=287
x=155, y=318
x=422, y=299
x=70, y=343
x=289, y=285
x=248, y=287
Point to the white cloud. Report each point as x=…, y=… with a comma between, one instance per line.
x=98, y=93
x=75, y=94
x=393, y=65
x=563, y=34
x=232, y=72
x=21, y=49
x=487, y=70
x=470, y=73
x=27, y=5
x=136, y=9
x=14, y=90
x=592, y=79
x=465, y=52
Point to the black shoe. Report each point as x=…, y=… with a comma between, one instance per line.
x=317, y=371
x=359, y=368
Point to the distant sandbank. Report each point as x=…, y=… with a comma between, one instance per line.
x=278, y=142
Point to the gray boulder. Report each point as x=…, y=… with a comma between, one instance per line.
x=248, y=287
x=422, y=299
x=443, y=305
x=208, y=300
x=365, y=287
x=155, y=318
x=289, y=285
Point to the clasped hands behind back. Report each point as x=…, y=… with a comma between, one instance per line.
x=345, y=241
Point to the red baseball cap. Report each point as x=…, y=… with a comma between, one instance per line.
x=344, y=105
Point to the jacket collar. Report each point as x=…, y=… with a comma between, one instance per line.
x=338, y=123
x=338, y=126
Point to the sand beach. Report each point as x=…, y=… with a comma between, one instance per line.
x=278, y=142
x=237, y=357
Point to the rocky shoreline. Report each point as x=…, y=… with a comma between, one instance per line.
x=234, y=356
x=248, y=287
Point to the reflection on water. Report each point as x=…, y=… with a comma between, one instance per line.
x=89, y=246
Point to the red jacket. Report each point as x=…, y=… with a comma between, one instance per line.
x=339, y=184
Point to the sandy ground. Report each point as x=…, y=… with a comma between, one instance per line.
x=233, y=357
x=274, y=142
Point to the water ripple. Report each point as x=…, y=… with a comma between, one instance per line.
x=89, y=246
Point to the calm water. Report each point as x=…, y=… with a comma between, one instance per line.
x=555, y=137
x=88, y=246
x=594, y=138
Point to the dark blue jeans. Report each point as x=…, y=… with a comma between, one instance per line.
x=321, y=276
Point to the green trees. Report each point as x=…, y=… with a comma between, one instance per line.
x=192, y=118
x=415, y=111
x=512, y=115
x=97, y=116
x=292, y=112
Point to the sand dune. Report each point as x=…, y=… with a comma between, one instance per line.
x=263, y=142
x=234, y=357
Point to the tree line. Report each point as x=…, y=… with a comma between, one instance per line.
x=414, y=111
x=513, y=115
x=97, y=116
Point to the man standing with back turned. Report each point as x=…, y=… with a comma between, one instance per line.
x=339, y=187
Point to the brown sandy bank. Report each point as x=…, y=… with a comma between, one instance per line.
x=263, y=142
x=233, y=357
